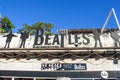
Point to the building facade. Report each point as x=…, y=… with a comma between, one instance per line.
x=72, y=55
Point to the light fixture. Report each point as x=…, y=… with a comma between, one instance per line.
x=115, y=61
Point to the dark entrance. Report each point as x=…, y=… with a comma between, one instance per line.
x=23, y=79
x=45, y=79
x=106, y=79
x=5, y=78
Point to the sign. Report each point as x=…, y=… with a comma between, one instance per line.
x=76, y=39
x=63, y=66
x=81, y=40
x=104, y=74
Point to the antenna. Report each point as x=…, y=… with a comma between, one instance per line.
x=108, y=18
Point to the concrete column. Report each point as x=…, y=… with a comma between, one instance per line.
x=34, y=78
x=63, y=78
x=13, y=78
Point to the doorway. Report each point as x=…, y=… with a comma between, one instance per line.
x=45, y=79
x=105, y=79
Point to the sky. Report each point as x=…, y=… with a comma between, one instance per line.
x=64, y=14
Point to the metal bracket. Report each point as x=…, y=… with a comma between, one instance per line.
x=108, y=18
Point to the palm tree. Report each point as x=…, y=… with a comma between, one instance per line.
x=47, y=28
x=7, y=25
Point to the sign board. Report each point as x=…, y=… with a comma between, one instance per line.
x=63, y=66
x=81, y=40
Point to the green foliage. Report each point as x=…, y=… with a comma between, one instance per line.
x=2, y=30
x=7, y=25
x=27, y=28
x=39, y=25
x=48, y=28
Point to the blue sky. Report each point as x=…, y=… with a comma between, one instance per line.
x=64, y=14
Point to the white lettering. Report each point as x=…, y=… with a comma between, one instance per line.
x=80, y=67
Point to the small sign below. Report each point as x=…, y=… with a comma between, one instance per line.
x=63, y=66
